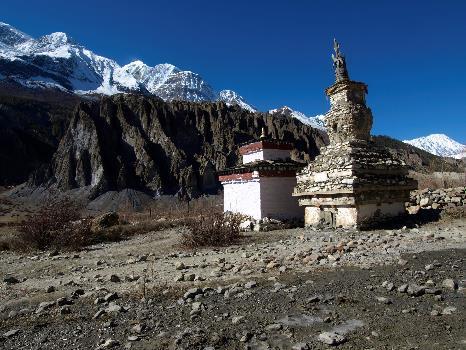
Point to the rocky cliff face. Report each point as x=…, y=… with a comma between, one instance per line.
x=140, y=142
x=30, y=130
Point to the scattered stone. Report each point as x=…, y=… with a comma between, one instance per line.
x=402, y=262
x=448, y=310
x=63, y=301
x=115, y=278
x=50, y=289
x=191, y=293
x=274, y=327
x=109, y=343
x=77, y=293
x=384, y=300
x=450, y=284
x=403, y=288
x=434, y=291
x=415, y=291
x=389, y=286
x=179, y=265
x=112, y=307
x=11, y=333
x=44, y=306
x=110, y=297
x=179, y=278
x=189, y=277
x=429, y=267
x=250, y=285
x=137, y=328
x=98, y=314
x=65, y=310
x=10, y=280
x=237, y=319
x=301, y=346
x=331, y=338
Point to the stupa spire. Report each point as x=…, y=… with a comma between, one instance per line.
x=339, y=63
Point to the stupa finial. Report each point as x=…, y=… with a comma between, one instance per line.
x=264, y=134
x=339, y=63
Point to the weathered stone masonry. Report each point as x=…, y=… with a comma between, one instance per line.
x=352, y=183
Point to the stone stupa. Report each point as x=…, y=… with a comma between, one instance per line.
x=352, y=183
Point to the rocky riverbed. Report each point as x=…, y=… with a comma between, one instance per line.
x=288, y=289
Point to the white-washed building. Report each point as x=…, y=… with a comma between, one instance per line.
x=263, y=185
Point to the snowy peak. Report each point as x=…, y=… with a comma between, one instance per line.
x=315, y=122
x=151, y=77
x=171, y=83
x=56, y=39
x=230, y=97
x=57, y=61
x=11, y=36
x=440, y=145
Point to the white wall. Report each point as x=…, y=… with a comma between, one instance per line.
x=242, y=197
x=266, y=154
x=251, y=157
x=277, y=201
x=264, y=197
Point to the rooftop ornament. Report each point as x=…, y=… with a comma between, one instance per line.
x=339, y=63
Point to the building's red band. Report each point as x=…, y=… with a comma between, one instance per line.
x=232, y=177
x=262, y=173
x=257, y=146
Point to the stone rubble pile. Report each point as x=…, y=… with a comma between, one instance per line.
x=268, y=224
x=437, y=199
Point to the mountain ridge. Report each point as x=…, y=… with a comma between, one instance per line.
x=57, y=61
x=439, y=145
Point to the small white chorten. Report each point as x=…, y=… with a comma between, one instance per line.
x=263, y=185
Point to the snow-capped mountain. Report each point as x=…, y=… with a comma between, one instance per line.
x=170, y=83
x=57, y=61
x=316, y=122
x=230, y=98
x=440, y=145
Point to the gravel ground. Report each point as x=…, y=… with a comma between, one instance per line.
x=289, y=289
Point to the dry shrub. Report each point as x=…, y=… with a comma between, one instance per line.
x=59, y=225
x=454, y=213
x=9, y=241
x=217, y=229
x=172, y=209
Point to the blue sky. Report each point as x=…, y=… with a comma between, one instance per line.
x=412, y=54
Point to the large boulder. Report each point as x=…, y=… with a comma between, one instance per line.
x=105, y=221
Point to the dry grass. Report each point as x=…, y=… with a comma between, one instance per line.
x=454, y=213
x=212, y=230
x=439, y=180
x=172, y=209
x=168, y=213
x=57, y=225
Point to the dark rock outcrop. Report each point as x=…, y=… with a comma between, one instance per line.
x=140, y=142
x=30, y=130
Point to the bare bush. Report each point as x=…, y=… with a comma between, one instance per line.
x=9, y=241
x=59, y=225
x=217, y=229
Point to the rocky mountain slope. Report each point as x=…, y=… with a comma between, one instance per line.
x=31, y=126
x=418, y=159
x=57, y=61
x=440, y=145
x=315, y=122
x=141, y=142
